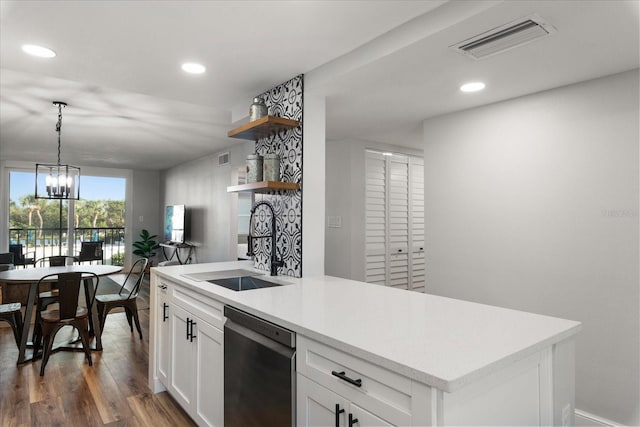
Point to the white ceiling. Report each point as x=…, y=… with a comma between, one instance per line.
x=384, y=66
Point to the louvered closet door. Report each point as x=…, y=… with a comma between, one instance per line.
x=398, y=222
x=394, y=229
x=375, y=219
x=416, y=185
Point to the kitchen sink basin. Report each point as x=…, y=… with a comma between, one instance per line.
x=244, y=283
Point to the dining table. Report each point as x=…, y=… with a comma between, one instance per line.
x=31, y=276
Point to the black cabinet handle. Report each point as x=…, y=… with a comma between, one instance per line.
x=188, y=324
x=342, y=376
x=352, y=420
x=192, y=336
x=164, y=312
x=421, y=249
x=338, y=412
x=399, y=250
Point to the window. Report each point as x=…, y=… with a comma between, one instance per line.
x=43, y=225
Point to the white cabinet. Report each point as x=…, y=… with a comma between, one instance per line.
x=330, y=381
x=373, y=395
x=209, y=367
x=362, y=417
x=317, y=406
x=320, y=407
x=162, y=337
x=188, y=341
x=182, y=377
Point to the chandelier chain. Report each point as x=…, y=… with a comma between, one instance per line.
x=59, y=129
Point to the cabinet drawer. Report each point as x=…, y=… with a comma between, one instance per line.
x=207, y=309
x=387, y=392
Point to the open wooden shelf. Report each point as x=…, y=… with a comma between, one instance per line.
x=263, y=187
x=262, y=127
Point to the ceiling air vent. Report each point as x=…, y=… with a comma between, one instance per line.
x=223, y=159
x=505, y=37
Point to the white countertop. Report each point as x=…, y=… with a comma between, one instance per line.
x=443, y=342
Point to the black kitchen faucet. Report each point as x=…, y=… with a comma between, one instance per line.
x=275, y=262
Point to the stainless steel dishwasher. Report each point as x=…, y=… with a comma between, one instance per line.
x=259, y=372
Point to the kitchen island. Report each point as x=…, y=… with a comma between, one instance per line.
x=422, y=359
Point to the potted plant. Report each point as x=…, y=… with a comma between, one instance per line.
x=146, y=246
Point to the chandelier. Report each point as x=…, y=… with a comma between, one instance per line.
x=60, y=181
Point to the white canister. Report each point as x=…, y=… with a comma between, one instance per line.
x=254, y=168
x=271, y=167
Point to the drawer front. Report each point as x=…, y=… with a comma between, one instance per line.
x=207, y=309
x=370, y=386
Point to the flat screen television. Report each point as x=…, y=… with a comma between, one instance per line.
x=175, y=224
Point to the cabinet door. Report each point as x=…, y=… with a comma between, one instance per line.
x=365, y=418
x=398, y=208
x=162, y=338
x=182, y=367
x=318, y=406
x=376, y=241
x=416, y=201
x=209, y=379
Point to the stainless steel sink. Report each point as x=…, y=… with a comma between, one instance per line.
x=243, y=283
x=224, y=274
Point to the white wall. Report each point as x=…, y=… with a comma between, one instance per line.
x=201, y=185
x=146, y=209
x=532, y=204
x=313, y=185
x=345, y=197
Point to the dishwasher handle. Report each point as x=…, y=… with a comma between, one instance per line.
x=260, y=326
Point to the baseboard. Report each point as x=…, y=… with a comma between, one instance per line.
x=585, y=419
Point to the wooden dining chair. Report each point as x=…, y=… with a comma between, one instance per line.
x=68, y=313
x=126, y=296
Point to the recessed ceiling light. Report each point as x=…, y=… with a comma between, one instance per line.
x=193, y=68
x=387, y=154
x=472, y=87
x=39, y=51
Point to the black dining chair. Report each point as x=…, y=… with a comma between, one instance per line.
x=55, y=261
x=50, y=296
x=6, y=258
x=68, y=313
x=126, y=296
x=20, y=258
x=11, y=313
x=91, y=251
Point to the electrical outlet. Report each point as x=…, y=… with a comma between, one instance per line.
x=566, y=416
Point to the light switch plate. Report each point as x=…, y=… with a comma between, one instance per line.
x=334, y=221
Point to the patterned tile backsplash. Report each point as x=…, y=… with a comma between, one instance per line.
x=285, y=100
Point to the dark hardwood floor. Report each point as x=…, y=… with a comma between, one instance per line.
x=112, y=392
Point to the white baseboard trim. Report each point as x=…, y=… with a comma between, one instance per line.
x=585, y=419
